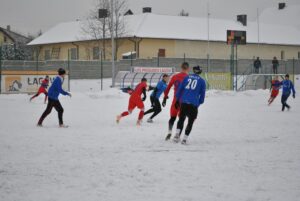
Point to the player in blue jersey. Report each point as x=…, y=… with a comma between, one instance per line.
x=154, y=98
x=287, y=87
x=190, y=96
x=53, y=101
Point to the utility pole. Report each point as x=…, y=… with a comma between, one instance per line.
x=112, y=43
x=258, y=35
x=208, y=38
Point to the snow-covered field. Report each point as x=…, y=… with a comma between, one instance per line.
x=239, y=150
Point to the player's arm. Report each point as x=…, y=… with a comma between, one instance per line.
x=167, y=90
x=60, y=89
x=181, y=88
x=202, y=93
x=171, y=83
x=293, y=89
x=144, y=94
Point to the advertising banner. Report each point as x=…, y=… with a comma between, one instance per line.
x=27, y=81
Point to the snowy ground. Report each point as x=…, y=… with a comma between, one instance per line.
x=240, y=150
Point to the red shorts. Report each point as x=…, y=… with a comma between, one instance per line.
x=173, y=111
x=135, y=102
x=42, y=90
x=274, y=93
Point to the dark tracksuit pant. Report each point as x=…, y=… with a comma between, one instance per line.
x=156, y=107
x=53, y=104
x=189, y=111
x=284, y=98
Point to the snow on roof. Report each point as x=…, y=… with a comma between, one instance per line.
x=290, y=15
x=177, y=27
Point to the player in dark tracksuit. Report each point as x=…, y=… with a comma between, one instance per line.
x=287, y=87
x=53, y=102
x=154, y=97
x=190, y=96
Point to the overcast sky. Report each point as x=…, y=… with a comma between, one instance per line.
x=30, y=16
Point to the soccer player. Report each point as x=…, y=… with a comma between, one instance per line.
x=53, y=93
x=190, y=96
x=287, y=87
x=175, y=81
x=154, y=97
x=42, y=89
x=275, y=89
x=135, y=100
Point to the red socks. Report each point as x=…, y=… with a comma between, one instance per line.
x=141, y=115
x=124, y=114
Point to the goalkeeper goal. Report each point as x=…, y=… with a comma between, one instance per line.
x=260, y=81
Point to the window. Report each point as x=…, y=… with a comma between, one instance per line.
x=5, y=39
x=55, y=53
x=73, y=52
x=47, y=55
x=282, y=55
x=96, y=53
x=162, y=52
x=298, y=55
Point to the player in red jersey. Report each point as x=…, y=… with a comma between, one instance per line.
x=275, y=89
x=175, y=81
x=42, y=89
x=135, y=100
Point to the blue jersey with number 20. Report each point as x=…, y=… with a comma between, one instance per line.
x=192, y=90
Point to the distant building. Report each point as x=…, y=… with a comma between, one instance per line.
x=13, y=45
x=149, y=35
x=8, y=37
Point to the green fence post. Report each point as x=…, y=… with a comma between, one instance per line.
x=294, y=70
x=0, y=68
x=236, y=67
x=101, y=69
x=69, y=71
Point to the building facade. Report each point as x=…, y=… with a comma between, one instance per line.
x=150, y=35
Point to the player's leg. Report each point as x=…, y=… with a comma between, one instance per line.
x=192, y=115
x=46, y=96
x=152, y=106
x=46, y=112
x=157, y=108
x=141, y=106
x=287, y=105
x=36, y=95
x=131, y=106
x=60, y=110
x=173, y=113
x=283, y=102
x=180, y=123
x=271, y=100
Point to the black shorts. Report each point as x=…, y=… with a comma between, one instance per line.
x=188, y=110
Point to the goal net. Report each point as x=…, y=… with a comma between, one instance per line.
x=259, y=81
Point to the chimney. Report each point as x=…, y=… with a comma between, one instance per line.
x=281, y=6
x=242, y=19
x=147, y=10
x=102, y=13
x=8, y=27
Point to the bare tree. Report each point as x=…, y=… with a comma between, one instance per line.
x=184, y=13
x=99, y=29
x=118, y=26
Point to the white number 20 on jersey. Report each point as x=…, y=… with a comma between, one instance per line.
x=191, y=84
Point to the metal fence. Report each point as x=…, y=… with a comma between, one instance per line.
x=97, y=69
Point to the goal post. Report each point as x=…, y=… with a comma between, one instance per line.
x=260, y=81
